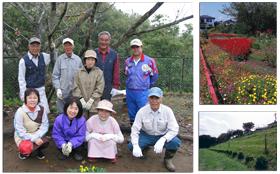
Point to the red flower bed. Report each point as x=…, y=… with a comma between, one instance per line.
x=234, y=46
x=221, y=35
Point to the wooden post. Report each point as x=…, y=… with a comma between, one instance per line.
x=265, y=145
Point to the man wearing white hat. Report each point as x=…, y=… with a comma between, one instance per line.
x=155, y=125
x=64, y=71
x=32, y=71
x=142, y=73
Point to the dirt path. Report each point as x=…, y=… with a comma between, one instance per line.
x=182, y=106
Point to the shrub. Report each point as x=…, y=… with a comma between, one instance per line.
x=234, y=154
x=248, y=159
x=256, y=89
x=256, y=46
x=240, y=156
x=261, y=163
x=270, y=53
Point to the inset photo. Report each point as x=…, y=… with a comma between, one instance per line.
x=238, y=53
x=237, y=141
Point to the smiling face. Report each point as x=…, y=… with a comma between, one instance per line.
x=104, y=41
x=34, y=48
x=103, y=114
x=32, y=100
x=155, y=102
x=90, y=62
x=72, y=111
x=136, y=50
x=68, y=48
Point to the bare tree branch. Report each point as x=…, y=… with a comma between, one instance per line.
x=90, y=30
x=8, y=41
x=163, y=26
x=24, y=12
x=133, y=28
x=71, y=30
x=106, y=9
x=59, y=20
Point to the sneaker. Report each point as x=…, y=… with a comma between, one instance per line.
x=92, y=160
x=40, y=155
x=114, y=161
x=78, y=157
x=61, y=156
x=21, y=156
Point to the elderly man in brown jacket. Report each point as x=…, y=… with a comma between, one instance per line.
x=89, y=83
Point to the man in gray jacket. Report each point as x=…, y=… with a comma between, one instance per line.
x=64, y=71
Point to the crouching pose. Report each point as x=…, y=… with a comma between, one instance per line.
x=69, y=130
x=31, y=124
x=103, y=133
x=155, y=125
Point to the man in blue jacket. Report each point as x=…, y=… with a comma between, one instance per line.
x=142, y=73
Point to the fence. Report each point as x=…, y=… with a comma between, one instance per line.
x=175, y=74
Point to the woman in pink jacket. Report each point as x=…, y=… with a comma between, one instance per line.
x=103, y=133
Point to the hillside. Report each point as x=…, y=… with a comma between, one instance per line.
x=252, y=146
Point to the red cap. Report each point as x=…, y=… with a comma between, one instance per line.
x=25, y=147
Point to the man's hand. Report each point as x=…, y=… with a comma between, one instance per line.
x=159, y=145
x=39, y=142
x=59, y=94
x=137, y=152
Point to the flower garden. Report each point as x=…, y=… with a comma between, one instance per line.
x=239, y=72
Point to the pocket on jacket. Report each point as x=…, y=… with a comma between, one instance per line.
x=148, y=124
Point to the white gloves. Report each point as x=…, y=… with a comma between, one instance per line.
x=115, y=91
x=59, y=94
x=159, y=145
x=83, y=102
x=137, y=152
x=67, y=148
x=107, y=137
x=100, y=137
x=89, y=104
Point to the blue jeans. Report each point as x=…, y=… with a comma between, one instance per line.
x=135, y=100
x=146, y=140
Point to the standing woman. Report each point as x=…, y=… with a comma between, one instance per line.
x=89, y=83
x=31, y=124
x=69, y=130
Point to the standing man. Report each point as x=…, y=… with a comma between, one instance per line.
x=155, y=125
x=32, y=71
x=108, y=61
x=142, y=73
x=64, y=71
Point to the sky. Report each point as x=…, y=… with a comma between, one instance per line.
x=215, y=123
x=212, y=9
x=167, y=9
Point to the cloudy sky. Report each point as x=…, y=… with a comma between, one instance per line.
x=167, y=9
x=213, y=9
x=215, y=123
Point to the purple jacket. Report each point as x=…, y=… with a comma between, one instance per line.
x=141, y=76
x=63, y=132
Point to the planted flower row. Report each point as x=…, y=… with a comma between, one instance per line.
x=235, y=46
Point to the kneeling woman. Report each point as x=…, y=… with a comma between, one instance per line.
x=103, y=133
x=31, y=124
x=69, y=130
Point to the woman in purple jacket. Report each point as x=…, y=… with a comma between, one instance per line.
x=69, y=130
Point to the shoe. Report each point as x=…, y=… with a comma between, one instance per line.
x=169, y=165
x=114, y=161
x=40, y=155
x=92, y=160
x=61, y=156
x=78, y=157
x=21, y=156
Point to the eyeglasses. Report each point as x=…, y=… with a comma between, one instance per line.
x=134, y=46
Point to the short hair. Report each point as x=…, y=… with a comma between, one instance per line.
x=70, y=101
x=104, y=33
x=28, y=92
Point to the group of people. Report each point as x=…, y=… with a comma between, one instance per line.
x=83, y=89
